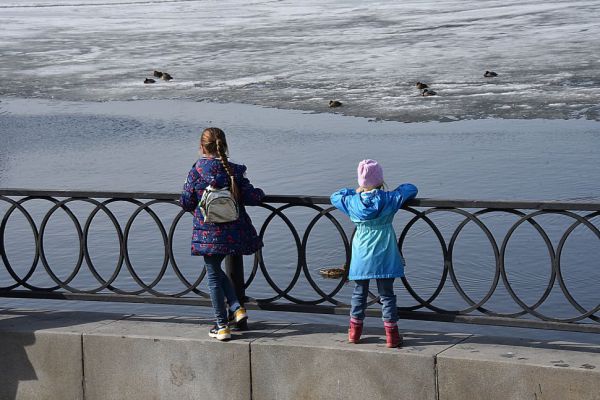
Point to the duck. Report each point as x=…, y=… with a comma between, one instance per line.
x=149, y=80
x=335, y=103
x=158, y=74
x=490, y=74
x=166, y=76
x=421, y=86
x=332, y=272
x=428, y=92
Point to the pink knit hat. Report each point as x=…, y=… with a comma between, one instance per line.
x=370, y=173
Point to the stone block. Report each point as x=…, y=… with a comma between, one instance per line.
x=506, y=369
x=167, y=358
x=306, y=361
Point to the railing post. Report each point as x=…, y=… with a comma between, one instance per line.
x=234, y=269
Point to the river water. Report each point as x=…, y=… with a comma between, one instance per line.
x=74, y=114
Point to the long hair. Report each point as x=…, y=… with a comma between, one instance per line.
x=214, y=142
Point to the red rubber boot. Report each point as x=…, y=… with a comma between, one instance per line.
x=355, y=330
x=392, y=335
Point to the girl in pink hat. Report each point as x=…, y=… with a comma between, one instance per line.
x=375, y=253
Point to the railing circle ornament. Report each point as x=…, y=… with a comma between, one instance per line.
x=325, y=296
x=17, y=205
x=422, y=302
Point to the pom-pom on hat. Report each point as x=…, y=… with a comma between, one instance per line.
x=370, y=173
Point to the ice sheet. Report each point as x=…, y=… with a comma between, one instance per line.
x=299, y=56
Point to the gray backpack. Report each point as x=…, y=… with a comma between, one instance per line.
x=218, y=206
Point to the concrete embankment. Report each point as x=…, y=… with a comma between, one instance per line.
x=77, y=355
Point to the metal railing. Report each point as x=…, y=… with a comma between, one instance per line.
x=478, y=311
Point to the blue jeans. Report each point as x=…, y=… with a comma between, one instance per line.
x=220, y=287
x=385, y=287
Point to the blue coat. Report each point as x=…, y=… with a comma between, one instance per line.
x=237, y=237
x=375, y=253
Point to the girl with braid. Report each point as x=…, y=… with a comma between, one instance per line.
x=215, y=241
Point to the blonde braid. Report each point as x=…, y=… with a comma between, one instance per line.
x=221, y=149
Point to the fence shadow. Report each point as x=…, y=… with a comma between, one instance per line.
x=25, y=347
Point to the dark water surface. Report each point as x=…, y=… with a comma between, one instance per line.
x=150, y=145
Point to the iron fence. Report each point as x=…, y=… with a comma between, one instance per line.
x=477, y=311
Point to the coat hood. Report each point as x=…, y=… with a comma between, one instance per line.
x=369, y=204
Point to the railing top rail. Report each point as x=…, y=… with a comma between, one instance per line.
x=322, y=200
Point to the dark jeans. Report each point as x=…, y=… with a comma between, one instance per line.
x=385, y=287
x=220, y=287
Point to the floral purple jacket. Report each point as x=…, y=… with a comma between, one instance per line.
x=237, y=237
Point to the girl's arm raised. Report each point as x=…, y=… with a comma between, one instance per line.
x=339, y=199
x=402, y=194
x=251, y=196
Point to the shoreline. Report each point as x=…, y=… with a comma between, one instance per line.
x=18, y=106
